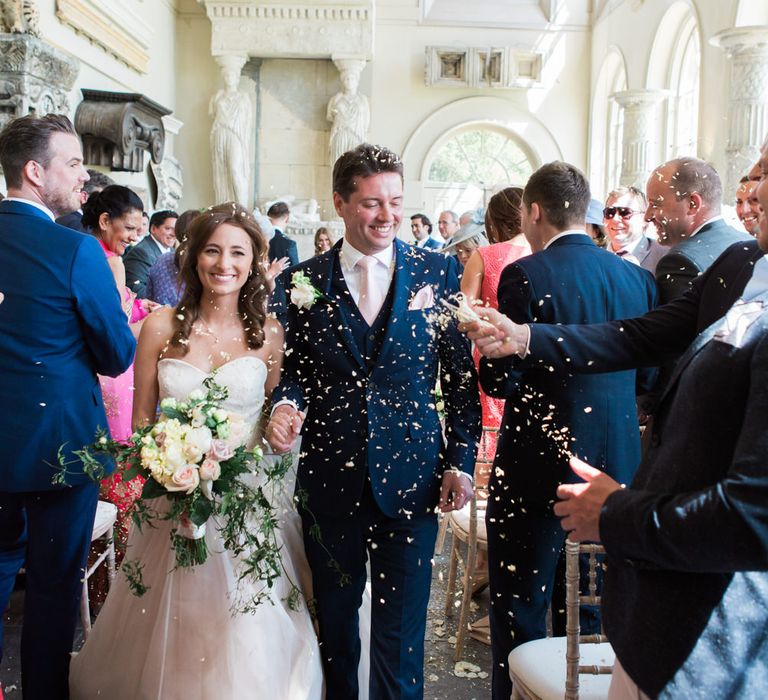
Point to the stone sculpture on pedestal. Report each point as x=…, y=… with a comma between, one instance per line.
x=348, y=111
x=231, y=111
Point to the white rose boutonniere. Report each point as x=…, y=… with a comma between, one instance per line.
x=304, y=294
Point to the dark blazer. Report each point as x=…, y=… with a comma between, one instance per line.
x=61, y=322
x=572, y=281
x=138, y=261
x=380, y=422
x=685, y=594
x=692, y=256
x=73, y=220
x=280, y=246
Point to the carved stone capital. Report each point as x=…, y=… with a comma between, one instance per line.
x=117, y=127
x=742, y=40
x=301, y=30
x=34, y=77
x=170, y=183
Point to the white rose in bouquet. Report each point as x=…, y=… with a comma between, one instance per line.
x=196, y=443
x=174, y=455
x=220, y=450
x=210, y=470
x=238, y=431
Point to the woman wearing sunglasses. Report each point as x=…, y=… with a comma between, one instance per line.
x=624, y=220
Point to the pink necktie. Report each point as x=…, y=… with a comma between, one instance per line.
x=371, y=297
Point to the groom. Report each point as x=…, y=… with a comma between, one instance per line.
x=361, y=366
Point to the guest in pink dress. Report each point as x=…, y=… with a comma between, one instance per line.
x=503, y=226
x=114, y=217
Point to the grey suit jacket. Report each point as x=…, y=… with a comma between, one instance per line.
x=692, y=256
x=138, y=260
x=648, y=252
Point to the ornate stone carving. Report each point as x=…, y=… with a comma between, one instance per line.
x=112, y=26
x=347, y=111
x=639, y=135
x=303, y=30
x=20, y=17
x=747, y=47
x=232, y=123
x=170, y=183
x=34, y=77
x=481, y=67
x=117, y=127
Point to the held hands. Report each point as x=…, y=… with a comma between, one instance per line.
x=495, y=335
x=284, y=427
x=457, y=486
x=580, y=504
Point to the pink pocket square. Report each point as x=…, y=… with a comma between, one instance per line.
x=423, y=299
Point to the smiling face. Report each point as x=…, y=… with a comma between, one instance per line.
x=64, y=177
x=323, y=242
x=747, y=207
x=225, y=261
x=373, y=213
x=120, y=232
x=623, y=231
x=419, y=230
x=669, y=213
x=762, y=197
x=165, y=233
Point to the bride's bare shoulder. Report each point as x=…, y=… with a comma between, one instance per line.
x=159, y=326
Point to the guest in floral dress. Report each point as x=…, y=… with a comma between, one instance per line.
x=163, y=285
x=114, y=217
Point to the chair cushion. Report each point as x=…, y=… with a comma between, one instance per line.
x=460, y=522
x=540, y=668
x=106, y=513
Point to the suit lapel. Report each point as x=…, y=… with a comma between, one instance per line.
x=326, y=265
x=697, y=346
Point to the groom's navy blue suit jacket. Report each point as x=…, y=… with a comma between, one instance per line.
x=380, y=420
x=61, y=322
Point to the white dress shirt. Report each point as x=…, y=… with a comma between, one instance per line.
x=37, y=205
x=163, y=249
x=758, y=283
x=382, y=272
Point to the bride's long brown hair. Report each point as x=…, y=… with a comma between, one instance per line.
x=252, y=301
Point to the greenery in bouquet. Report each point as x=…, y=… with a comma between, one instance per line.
x=195, y=456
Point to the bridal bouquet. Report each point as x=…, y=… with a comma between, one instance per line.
x=195, y=457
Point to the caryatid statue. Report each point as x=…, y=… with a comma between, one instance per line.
x=348, y=111
x=232, y=115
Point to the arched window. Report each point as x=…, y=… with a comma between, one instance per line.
x=473, y=162
x=607, y=125
x=683, y=114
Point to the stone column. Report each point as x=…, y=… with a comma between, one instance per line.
x=747, y=47
x=640, y=134
x=232, y=114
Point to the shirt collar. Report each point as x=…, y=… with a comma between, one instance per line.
x=37, y=205
x=163, y=249
x=706, y=223
x=350, y=255
x=563, y=234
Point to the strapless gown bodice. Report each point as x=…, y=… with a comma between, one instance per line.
x=244, y=378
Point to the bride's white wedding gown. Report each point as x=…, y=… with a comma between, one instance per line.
x=181, y=640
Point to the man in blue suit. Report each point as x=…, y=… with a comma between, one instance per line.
x=140, y=258
x=421, y=227
x=567, y=279
x=61, y=322
x=360, y=371
x=280, y=246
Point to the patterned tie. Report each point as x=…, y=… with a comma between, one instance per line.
x=371, y=297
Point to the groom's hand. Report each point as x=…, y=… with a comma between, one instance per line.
x=456, y=491
x=284, y=427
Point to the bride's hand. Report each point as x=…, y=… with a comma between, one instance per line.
x=284, y=427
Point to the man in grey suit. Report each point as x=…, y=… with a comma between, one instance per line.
x=624, y=220
x=684, y=198
x=140, y=258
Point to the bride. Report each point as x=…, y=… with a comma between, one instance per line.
x=181, y=640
